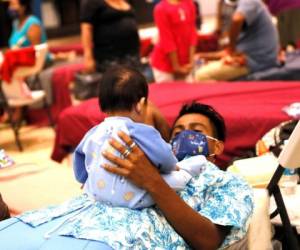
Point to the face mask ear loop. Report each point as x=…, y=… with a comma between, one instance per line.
x=212, y=138
x=211, y=158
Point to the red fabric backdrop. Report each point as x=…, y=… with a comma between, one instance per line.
x=250, y=109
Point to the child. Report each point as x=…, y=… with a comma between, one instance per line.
x=173, y=55
x=123, y=96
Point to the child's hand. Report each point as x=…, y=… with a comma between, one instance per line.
x=181, y=71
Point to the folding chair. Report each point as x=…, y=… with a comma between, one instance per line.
x=288, y=158
x=16, y=94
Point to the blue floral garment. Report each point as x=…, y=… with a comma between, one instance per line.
x=220, y=196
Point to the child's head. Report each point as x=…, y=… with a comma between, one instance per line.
x=123, y=89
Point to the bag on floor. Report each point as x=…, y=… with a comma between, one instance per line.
x=86, y=85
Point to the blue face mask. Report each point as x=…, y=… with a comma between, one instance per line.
x=189, y=143
x=13, y=14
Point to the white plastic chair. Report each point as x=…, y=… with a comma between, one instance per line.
x=18, y=95
x=288, y=158
x=259, y=235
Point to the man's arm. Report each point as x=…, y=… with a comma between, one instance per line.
x=198, y=231
x=237, y=22
x=156, y=119
x=219, y=18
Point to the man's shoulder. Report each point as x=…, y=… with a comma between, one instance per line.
x=243, y=3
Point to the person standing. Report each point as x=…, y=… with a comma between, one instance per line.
x=109, y=34
x=173, y=55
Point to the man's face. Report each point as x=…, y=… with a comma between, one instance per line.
x=198, y=123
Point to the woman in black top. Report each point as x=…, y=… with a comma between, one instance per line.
x=109, y=34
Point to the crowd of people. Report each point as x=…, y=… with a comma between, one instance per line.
x=109, y=34
x=145, y=184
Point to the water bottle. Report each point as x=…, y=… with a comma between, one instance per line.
x=288, y=181
x=197, y=65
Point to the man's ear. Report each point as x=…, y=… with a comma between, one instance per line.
x=218, y=147
x=140, y=105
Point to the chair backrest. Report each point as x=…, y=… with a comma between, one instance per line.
x=17, y=88
x=41, y=51
x=289, y=156
x=1, y=57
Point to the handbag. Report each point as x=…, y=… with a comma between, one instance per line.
x=86, y=85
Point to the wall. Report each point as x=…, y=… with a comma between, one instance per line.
x=209, y=7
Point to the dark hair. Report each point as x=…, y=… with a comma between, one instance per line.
x=216, y=119
x=120, y=88
x=28, y=6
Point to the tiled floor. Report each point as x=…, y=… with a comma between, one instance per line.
x=36, y=141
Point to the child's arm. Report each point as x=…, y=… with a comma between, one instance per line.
x=185, y=170
x=79, y=158
x=79, y=164
x=157, y=150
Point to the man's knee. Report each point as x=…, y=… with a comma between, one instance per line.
x=219, y=71
x=208, y=72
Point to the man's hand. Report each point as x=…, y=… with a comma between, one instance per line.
x=136, y=166
x=198, y=231
x=235, y=60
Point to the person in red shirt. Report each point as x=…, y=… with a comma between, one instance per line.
x=173, y=55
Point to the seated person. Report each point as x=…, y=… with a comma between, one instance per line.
x=27, y=29
x=213, y=211
x=253, y=44
x=123, y=94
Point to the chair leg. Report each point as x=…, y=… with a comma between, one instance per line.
x=15, y=125
x=50, y=118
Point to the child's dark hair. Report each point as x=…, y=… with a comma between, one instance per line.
x=215, y=118
x=121, y=88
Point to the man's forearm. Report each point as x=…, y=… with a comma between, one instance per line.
x=155, y=118
x=196, y=230
x=235, y=29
